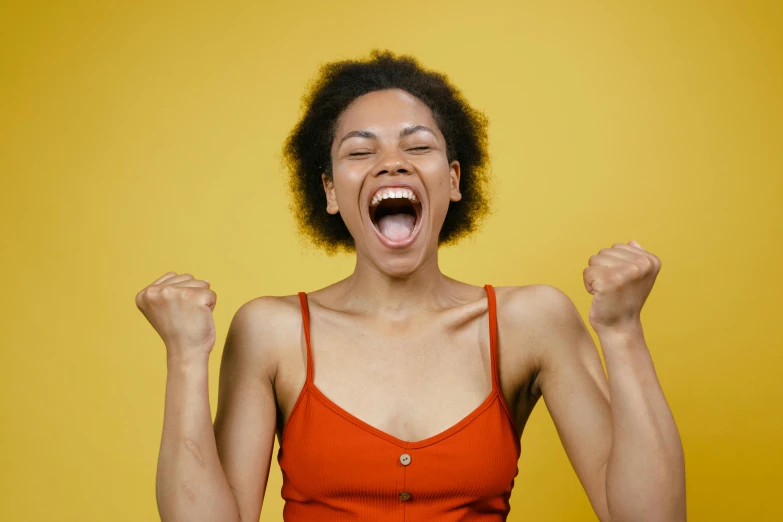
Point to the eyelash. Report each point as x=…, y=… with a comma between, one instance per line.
x=365, y=153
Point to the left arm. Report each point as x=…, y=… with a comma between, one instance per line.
x=619, y=435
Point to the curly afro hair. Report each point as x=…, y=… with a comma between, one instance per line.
x=307, y=150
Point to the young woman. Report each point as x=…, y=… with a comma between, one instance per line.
x=400, y=393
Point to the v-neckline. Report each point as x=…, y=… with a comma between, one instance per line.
x=494, y=393
x=464, y=421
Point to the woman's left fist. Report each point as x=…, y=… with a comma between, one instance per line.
x=620, y=279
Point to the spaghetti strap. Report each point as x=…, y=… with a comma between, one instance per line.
x=493, y=335
x=306, y=322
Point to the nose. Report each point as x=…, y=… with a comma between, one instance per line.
x=393, y=163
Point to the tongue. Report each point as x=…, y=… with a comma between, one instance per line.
x=397, y=227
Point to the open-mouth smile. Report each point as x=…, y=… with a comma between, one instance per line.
x=396, y=215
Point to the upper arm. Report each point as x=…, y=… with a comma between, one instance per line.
x=572, y=381
x=246, y=412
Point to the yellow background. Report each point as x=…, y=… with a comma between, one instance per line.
x=142, y=137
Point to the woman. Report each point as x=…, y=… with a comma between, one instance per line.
x=399, y=393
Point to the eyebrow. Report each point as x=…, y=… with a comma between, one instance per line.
x=407, y=131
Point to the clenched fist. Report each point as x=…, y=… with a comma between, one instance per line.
x=179, y=307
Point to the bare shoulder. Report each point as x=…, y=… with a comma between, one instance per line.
x=516, y=300
x=534, y=319
x=536, y=307
x=261, y=331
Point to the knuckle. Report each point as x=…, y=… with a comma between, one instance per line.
x=635, y=269
x=190, y=292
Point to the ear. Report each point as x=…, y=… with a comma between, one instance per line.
x=454, y=172
x=331, y=198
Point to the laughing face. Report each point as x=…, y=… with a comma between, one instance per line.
x=392, y=182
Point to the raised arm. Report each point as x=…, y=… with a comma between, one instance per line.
x=191, y=484
x=209, y=473
x=619, y=435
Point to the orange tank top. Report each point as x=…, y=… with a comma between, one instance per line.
x=337, y=467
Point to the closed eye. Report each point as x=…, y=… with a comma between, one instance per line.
x=420, y=148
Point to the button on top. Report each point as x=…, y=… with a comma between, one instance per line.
x=405, y=459
x=405, y=495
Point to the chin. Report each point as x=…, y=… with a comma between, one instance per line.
x=399, y=266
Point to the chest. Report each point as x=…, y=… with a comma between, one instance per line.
x=411, y=380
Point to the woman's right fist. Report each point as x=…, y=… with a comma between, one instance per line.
x=179, y=307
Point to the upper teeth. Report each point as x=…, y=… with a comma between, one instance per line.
x=391, y=192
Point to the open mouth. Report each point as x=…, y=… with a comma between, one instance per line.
x=395, y=213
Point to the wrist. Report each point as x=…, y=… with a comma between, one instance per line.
x=626, y=331
x=187, y=363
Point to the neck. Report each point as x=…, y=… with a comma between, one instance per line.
x=368, y=288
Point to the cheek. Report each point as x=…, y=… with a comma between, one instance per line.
x=348, y=172
x=347, y=186
x=437, y=173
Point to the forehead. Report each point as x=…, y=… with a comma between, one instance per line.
x=391, y=109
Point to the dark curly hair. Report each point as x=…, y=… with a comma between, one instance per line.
x=307, y=151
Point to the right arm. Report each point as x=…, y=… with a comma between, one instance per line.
x=219, y=473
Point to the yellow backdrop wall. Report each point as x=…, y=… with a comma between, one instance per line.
x=142, y=137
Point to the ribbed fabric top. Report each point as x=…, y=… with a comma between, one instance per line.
x=337, y=467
